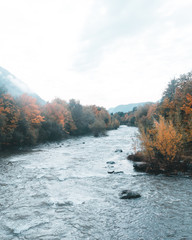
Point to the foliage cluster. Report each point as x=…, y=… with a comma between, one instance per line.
x=24, y=122
x=166, y=127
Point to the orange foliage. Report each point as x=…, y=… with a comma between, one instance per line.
x=147, y=143
x=167, y=140
x=9, y=114
x=163, y=140
x=20, y=120
x=187, y=106
x=30, y=109
x=126, y=117
x=151, y=111
x=167, y=108
x=57, y=111
x=101, y=114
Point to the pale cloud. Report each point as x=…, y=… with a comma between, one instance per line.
x=170, y=7
x=103, y=52
x=39, y=40
x=135, y=64
x=103, y=10
x=123, y=19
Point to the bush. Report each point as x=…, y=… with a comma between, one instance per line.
x=162, y=144
x=98, y=127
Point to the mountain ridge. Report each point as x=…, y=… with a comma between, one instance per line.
x=15, y=87
x=126, y=107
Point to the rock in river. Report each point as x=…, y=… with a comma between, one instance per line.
x=118, y=150
x=128, y=194
x=119, y=172
x=140, y=166
x=110, y=162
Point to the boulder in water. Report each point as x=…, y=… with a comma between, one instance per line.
x=64, y=204
x=110, y=171
x=118, y=150
x=110, y=162
x=140, y=166
x=128, y=194
x=119, y=172
x=137, y=157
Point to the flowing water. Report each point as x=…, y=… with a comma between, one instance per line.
x=64, y=191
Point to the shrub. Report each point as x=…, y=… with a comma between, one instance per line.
x=162, y=143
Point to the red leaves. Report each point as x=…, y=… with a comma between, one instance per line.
x=9, y=114
x=30, y=109
x=57, y=111
x=187, y=106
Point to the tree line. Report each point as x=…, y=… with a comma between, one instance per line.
x=24, y=122
x=166, y=126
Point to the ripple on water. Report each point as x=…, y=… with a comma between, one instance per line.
x=63, y=191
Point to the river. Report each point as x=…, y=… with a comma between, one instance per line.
x=63, y=190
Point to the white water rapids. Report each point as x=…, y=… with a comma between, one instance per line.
x=63, y=191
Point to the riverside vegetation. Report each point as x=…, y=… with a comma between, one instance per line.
x=24, y=122
x=165, y=129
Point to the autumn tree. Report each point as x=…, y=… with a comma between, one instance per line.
x=30, y=109
x=79, y=117
x=187, y=119
x=30, y=120
x=58, y=111
x=102, y=120
x=162, y=143
x=9, y=116
x=169, y=92
x=169, y=137
x=24, y=122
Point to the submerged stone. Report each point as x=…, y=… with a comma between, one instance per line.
x=140, y=166
x=118, y=150
x=64, y=204
x=110, y=171
x=128, y=194
x=110, y=162
x=119, y=172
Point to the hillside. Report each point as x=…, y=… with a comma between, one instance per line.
x=16, y=87
x=126, y=108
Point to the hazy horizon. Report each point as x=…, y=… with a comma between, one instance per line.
x=99, y=52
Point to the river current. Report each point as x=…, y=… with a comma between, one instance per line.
x=64, y=191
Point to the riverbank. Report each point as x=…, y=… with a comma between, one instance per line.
x=8, y=149
x=64, y=191
x=155, y=166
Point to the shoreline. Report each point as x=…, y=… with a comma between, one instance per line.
x=142, y=164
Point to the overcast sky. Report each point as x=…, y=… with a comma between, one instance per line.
x=103, y=52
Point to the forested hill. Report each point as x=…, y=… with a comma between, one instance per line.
x=126, y=108
x=16, y=87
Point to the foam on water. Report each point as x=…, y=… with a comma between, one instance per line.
x=63, y=191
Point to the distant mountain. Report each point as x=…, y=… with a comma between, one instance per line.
x=126, y=108
x=16, y=87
